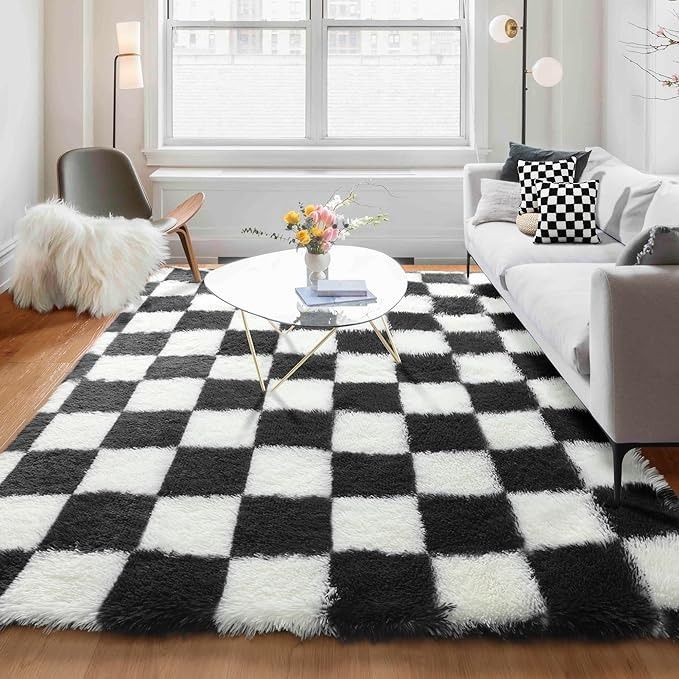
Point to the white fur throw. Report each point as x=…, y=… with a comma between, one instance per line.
x=95, y=264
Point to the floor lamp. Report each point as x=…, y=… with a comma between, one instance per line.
x=547, y=72
x=127, y=72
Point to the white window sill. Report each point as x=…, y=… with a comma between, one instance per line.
x=353, y=157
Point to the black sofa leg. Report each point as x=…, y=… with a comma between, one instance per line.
x=469, y=263
x=619, y=452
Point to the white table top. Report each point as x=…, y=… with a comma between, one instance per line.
x=265, y=286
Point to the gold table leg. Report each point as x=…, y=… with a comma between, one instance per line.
x=305, y=359
x=387, y=342
x=253, y=353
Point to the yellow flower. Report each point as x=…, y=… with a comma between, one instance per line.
x=303, y=237
x=292, y=217
x=309, y=209
x=317, y=231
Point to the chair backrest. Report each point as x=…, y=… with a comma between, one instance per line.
x=101, y=182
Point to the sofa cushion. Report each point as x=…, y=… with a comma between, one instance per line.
x=664, y=208
x=555, y=299
x=625, y=195
x=499, y=246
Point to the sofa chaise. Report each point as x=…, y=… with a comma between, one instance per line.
x=611, y=331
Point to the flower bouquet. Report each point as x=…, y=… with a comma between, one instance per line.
x=317, y=228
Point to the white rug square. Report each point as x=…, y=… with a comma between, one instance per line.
x=370, y=433
x=193, y=343
x=442, y=398
x=549, y=520
x=76, y=431
x=221, y=429
x=273, y=594
x=120, y=368
x=391, y=525
x=290, y=472
x=60, y=588
x=519, y=429
x=484, y=368
x=202, y=526
x=456, y=473
x=25, y=519
x=240, y=367
x=140, y=471
x=304, y=395
x=359, y=368
x=180, y=393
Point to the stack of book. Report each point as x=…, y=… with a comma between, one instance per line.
x=331, y=293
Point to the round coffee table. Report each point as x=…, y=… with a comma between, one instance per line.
x=265, y=285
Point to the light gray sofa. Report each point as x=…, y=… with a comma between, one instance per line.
x=611, y=331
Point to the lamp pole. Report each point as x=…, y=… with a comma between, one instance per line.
x=524, y=79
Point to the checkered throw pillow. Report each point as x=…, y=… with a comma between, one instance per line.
x=567, y=213
x=534, y=174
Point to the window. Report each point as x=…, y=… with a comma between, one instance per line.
x=323, y=72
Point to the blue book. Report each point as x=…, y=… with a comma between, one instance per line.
x=310, y=297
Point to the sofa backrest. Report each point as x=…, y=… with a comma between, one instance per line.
x=625, y=194
x=664, y=208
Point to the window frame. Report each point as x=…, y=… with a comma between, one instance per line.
x=316, y=27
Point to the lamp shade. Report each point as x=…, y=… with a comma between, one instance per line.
x=503, y=28
x=130, y=76
x=548, y=72
x=129, y=37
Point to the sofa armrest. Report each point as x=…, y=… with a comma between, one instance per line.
x=473, y=174
x=634, y=347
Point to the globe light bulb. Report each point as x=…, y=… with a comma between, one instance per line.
x=503, y=28
x=548, y=72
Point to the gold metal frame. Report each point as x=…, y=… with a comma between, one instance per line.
x=384, y=336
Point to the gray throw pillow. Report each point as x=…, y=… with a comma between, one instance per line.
x=500, y=202
x=656, y=246
x=517, y=152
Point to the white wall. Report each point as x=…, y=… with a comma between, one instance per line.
x=21, y=118
x=68, y=82
x=637, y=127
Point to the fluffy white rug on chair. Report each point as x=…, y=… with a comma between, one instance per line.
x=95, y=264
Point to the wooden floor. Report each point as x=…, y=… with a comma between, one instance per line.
x=36, y=353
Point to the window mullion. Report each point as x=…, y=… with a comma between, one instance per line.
x=316, y=60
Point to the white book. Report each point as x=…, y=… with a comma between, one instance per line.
x=341, y=288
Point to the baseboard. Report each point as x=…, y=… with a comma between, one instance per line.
x=6, y=262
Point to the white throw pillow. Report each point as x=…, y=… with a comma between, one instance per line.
x=625, y=195
x=664, y=208
x=499, y=202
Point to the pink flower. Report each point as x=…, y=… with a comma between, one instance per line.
x=675, y=78
x=660, y=32
x=329, y=235
x=324, y=216
x=326, y=246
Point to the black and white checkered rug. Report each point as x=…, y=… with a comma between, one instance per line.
x=463, y=492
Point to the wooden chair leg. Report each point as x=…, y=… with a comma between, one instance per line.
x=185, y=238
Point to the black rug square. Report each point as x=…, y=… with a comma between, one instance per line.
x=98, y=396
x=533, y=470
x=400, y=320
x=169, y=367
x=162, y=429
x=205, y=320
x=166, y=303
x=456, y=306
x=359, y=342
x=534, y=366
x=506, y=322
x=48, y=473
x=367, y=397
x=475, y=342
x=498, y=397
x=382, y=596
x=604, y=600
x=96, y=521
x=31, y=432
x=424, y=369
x=138, y=343
x=444, y=432
x=455, y=278
x=84, y=366
x=469, y=525
x=279, y=525
x=12, y=562
x=372, y=475
x=318, y=367
x=235, y=342
x=207, y=471
x=416, y=288
x=165, y=593
x=294, y=428
x=573, y=425
x=222, y=394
